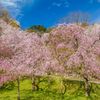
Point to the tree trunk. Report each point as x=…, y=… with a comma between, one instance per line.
x=18, y=83
x=64, y=84
x=34, y=84
x=87, y=87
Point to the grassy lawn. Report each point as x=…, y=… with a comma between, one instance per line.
x=52, y=90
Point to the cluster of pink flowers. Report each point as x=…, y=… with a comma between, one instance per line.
x=77, y=49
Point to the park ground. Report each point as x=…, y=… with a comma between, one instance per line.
x=50, y=89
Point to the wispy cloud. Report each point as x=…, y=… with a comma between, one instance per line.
x=98, y=1
x=61, y=3
x=14, y=6
x=92, y=1
x=56, y=4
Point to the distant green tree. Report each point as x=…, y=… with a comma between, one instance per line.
x=14, y=23
x=38, y=29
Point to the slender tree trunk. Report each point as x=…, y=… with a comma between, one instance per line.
x=87, y=87
x=34, y=84
x=64, y=84
x=18, y=83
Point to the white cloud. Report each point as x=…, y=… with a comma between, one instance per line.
x=7, y=3
x=15, y=6
x=61, y=3
x=92, y=1
x=57, y=4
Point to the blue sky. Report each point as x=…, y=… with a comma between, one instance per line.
x=48, y=12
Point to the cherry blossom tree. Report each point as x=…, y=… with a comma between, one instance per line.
x=12, y=59
x=62, y=42
x=77, y=50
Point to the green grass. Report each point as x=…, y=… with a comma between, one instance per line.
x=52, y=90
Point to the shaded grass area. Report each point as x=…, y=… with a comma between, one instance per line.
x=51, y=88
